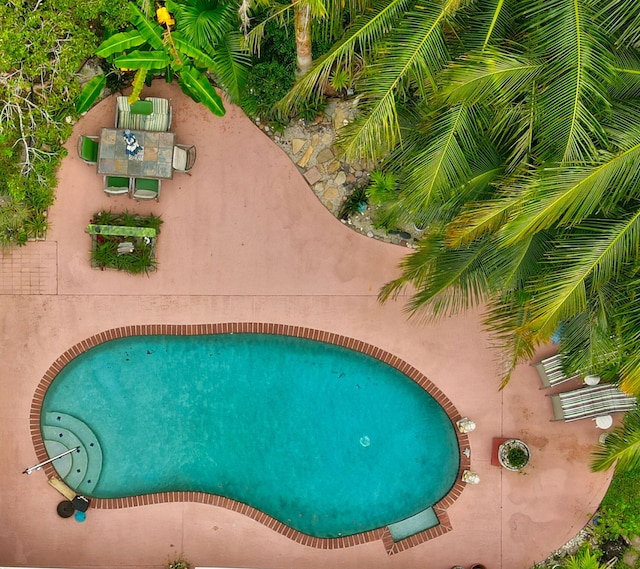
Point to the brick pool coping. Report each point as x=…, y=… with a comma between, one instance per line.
x=383, y=534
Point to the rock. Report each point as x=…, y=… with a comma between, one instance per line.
x=297, y=144
x=405, y=235
x=331, y=193
x=340, y=178
x=315, y=140
x=369, y=233
x=333, y=167
x=339, y=119
x=351, y=179
x=312, y=176
x=324, y=156
x=305, y=159
x=326, y=139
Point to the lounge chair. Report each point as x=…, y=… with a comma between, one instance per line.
x=551, y=372
x=184, y=157
x=117, y=185
x=88, y=149
x=590, y=402
x=146, y=189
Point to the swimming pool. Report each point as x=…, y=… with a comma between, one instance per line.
x=325, y=439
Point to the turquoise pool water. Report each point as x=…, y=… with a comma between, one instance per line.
x=327, y=440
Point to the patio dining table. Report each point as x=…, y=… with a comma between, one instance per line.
x=152, y=159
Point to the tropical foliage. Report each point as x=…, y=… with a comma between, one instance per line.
x=204, y=41
x=619, y=513
x=584, y=559
x=312, y=20
x=621, y=447
x=40, y=56
x=511, y=131
x=129, y=245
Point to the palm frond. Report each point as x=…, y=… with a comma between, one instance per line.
x=621, y=447
x=583, y=262
x=231, y=65
x=203, y=23
x=626, y=66
x=566, y=35
x=489, y=76
x=566, y=195
x=366, y=30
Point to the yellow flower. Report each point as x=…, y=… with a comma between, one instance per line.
x=164, y=17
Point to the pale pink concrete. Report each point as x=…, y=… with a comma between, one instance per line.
x=245, y=239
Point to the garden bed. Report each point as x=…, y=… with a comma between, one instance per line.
x=123, y=241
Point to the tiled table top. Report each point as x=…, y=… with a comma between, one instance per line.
x=156, y=156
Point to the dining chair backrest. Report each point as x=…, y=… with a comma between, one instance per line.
x=184, y=157
x=146, y=189
x=116, y=185
x=88, y=148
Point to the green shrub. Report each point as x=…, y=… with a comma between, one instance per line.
x=619, y=513
x=41, y=52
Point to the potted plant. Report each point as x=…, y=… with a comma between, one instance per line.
x=514, y=455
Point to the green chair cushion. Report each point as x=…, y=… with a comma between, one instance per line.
x=117, y=182
x=147, y=184
x=142, y=108
x=89, y=149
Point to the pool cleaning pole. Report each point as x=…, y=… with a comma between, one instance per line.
x=41, y=464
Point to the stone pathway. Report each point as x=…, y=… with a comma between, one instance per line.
x=312, y=148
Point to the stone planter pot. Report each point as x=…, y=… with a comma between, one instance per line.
x=514, y=455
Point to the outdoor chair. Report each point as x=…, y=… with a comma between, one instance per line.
x=184, y=157
x=88, y=149
x=146, y=189
x=551, y=372
x=591, y=402
x=160, y=119
x=152, y=113
x=117, y=185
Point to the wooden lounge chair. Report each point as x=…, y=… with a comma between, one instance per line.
x=88, y=149
x=184, y=157
x=146, y=189
x=117, y=185
x=551, y=372
x=590, y=402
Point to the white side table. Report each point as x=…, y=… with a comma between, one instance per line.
x=604, y=421
x=592, y=380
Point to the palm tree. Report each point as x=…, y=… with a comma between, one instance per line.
x=511, y=130
x=323, y=17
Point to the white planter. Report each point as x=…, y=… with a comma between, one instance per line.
x=503, y=452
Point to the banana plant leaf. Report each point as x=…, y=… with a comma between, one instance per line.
x=199, y=57
x=197, y=86
x=142, y=60
x=149, y=30
x=90, y=93
x=119, y=43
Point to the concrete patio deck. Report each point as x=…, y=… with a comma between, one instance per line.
x=245, y=240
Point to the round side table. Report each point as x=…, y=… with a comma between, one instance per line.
x=604, y=421
x=592, y=379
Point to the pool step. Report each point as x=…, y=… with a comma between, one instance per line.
x=79, y=470
x=421, y=521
